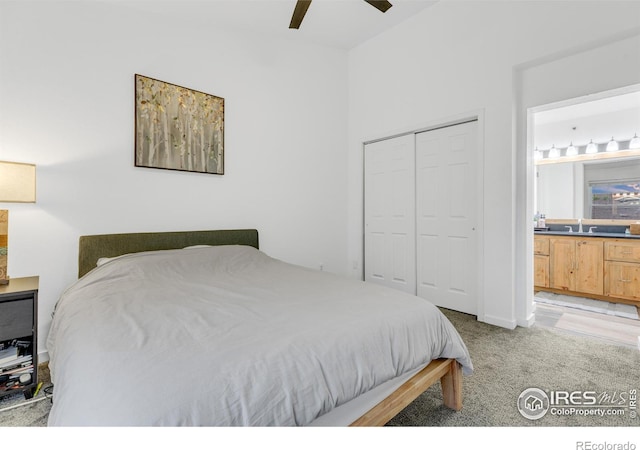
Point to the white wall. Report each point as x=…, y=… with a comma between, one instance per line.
x=67, y=104
x=457, y=57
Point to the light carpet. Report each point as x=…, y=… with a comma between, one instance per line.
x=507, y=362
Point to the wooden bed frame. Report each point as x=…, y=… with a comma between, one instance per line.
x=447, y=371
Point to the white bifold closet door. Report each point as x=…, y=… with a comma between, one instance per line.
x=420, y=215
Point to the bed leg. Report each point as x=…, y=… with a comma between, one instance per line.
x=451, y=384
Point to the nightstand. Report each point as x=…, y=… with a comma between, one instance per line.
x=19, y=336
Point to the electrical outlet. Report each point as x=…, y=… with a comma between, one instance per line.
x=321, y=267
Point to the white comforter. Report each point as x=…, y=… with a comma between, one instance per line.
x=230, y=336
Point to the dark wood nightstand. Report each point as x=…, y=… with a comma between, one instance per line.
x=19, y=336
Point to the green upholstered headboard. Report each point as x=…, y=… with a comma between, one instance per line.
x=91, y=248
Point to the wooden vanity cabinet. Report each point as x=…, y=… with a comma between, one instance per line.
x=622, y=269
x=603, y=268
x=541, y=261
x=576, y=264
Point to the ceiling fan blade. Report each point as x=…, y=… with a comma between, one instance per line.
x=298, y=13
x=382, y=5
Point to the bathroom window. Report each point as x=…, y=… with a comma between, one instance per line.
x=615, y=200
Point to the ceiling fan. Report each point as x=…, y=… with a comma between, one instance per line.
x=302, y=6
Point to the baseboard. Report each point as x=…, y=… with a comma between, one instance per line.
x=43, y=357
x=500, y=322
x=529, y=321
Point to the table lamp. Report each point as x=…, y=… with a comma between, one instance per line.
x=17, y=185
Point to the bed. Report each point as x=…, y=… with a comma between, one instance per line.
x=202, y=328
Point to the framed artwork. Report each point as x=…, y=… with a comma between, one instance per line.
x=177, y=128
x=4, y=243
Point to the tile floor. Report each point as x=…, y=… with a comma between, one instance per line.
x=603, y=326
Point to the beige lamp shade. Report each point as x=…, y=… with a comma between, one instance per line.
x=17, y=182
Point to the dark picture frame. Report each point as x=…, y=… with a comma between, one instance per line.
x=178, y=128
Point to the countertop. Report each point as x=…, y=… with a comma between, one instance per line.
x=594, y=234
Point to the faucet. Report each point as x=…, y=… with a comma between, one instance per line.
x=580, y=226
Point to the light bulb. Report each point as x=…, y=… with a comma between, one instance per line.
x=537, y=154
x=572, y=150
x=612, y=146
x=635, y=142
x=554, y=152
x=592, y=148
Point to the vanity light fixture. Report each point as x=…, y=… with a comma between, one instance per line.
x=537, y=154
x=612, y=146
x=591, y=151
x=591, y=148
x=554, y=152
x=572, y=150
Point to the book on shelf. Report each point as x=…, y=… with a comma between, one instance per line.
x=9, y=354
x=19, y=361
x=14, y=383
x=17, y=372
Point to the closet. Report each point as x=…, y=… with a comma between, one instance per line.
x=420, y=212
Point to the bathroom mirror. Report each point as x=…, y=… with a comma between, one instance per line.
x=608, y=190
x=587, y=157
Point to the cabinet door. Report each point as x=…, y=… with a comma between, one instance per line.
x=541, y=245
x=622, y=280
x=562, y=261
x=623, y=251
x=541, y=270
x=589, y=267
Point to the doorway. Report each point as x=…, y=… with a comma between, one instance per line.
x=578, y=148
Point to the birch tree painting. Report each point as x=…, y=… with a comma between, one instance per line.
x=178, y=128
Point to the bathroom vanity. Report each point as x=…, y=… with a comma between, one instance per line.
x=604, y=266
